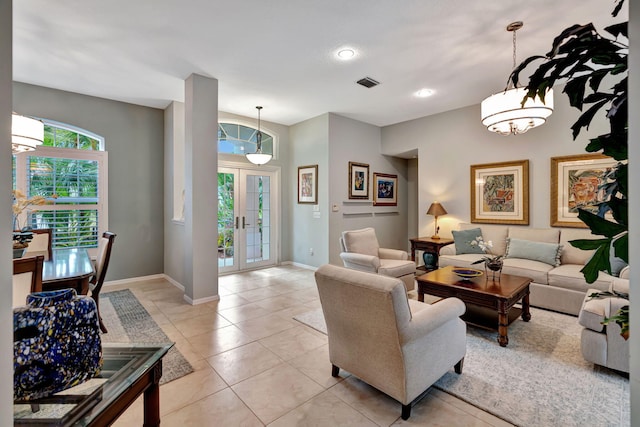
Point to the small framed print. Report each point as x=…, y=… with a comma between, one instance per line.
x=358, y=180
x=308, y=184
x=575, y=184
x=385, y=189
x=500, y=193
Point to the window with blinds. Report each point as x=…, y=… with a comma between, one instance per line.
x=69, y=170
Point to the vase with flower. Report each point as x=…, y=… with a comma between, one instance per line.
x=22, y=205
x=491, y=262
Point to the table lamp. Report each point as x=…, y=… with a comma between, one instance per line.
x=436, y=210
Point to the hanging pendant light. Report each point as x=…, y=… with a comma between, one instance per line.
x=26, y=133
x=258, y=158
x=503, y=112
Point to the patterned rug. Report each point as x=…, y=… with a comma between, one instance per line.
x=539, y=379
x=127, y=321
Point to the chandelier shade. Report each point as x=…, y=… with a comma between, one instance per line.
x=26, y=133
x=258, y=158
x=503, y=112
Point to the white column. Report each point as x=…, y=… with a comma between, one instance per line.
x=201, y=190
x=6, y=268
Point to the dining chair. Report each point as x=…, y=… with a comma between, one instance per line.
x=102, y=262
x=27, y=278
x=41, y=243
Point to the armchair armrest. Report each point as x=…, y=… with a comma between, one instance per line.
x=386, y=253
x=431, y=318
x=360, y=262
x=448, y=250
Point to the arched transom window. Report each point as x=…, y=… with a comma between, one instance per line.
x=239, y=139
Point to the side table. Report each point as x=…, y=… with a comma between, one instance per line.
x=429, y=246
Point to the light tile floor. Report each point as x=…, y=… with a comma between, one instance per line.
x=256, y=366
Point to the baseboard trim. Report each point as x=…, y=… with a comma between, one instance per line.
x=297, y=264
x=133, y=280
x=201, y=300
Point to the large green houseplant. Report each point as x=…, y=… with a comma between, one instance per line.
x=594, y=69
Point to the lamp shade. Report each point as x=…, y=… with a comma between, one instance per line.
x=436, y=209
x=26, y=133
x=258, y=158
x=503, y=112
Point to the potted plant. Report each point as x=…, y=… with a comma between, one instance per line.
x=587, y=60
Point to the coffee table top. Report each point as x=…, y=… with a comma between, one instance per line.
x=506, y=287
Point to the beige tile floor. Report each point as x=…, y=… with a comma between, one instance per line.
x=256, y=366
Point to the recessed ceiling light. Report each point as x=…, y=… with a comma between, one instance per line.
x=346, y=53
x=424, y=93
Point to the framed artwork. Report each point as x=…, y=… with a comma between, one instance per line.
x=308, y=184
x=385, y=189
x=575, y=183
x=358, y=180
x=500, y=193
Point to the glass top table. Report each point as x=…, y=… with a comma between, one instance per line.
x=128, y=371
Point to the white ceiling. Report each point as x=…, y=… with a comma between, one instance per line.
x=280, y=53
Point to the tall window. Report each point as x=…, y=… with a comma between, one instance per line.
x=70, y=170
x=239, y=139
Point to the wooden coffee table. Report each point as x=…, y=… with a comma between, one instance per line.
x=496, y=295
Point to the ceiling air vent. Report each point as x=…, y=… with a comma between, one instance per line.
x=368, y=82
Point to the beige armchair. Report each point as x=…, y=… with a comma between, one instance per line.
x=361, y=251
x=600, y=344
x=398, y=345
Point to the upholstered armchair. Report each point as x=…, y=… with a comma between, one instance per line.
x=600, y=344
x=361, y=251
x=398, y=345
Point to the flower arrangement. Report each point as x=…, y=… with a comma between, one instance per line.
x=22, y=235
x=486, y=248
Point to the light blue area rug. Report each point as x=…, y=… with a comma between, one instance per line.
x=129, y=322
x=539, y=379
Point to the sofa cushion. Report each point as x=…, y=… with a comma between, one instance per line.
x=496, y=234
x=571, y=254
x=396, y=267
x=548, y=235
x=593, y=312
x=462, y=240
x=617, y=263
x=534, y=270
x=549, y=253
x=568, y=276
x=361, y=241
x=464, y=260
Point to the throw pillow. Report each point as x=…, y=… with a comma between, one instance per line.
x=617, y=263
x=549, y=253
x=462, y=240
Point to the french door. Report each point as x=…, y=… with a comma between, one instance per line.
x=246, y=217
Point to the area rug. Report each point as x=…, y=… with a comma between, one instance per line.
x=539, y=379
x=129, y=322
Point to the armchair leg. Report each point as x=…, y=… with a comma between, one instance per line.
x=406, y=411
x=334, y=370
x=458, y=366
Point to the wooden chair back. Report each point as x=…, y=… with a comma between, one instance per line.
x=102, y=262
x=41, y=243
x=27, y=278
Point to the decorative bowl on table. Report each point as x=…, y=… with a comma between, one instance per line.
x=467, y=273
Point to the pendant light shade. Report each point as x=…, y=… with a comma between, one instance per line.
x=259, y=158
x=26, y=133
x=504, y=113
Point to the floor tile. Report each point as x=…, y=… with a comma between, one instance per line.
x=292, y=342
x=219, y=340
x=244, y=362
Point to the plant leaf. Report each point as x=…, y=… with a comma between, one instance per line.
x=585, y=119
x=598, y=262
x=600, y=226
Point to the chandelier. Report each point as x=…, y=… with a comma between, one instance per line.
x=26, y=133
x=504, y=113
x=258, y=158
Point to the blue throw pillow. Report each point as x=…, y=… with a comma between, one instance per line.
x=617, y=263
x=549, y=253
x=462, y=240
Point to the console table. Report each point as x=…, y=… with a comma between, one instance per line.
x=430, y=246
x=128, y=371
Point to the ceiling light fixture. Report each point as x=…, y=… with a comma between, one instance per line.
x=26, y=133
x=346, y=53
x=258, y=158
x=503, y=112
x=424, y=93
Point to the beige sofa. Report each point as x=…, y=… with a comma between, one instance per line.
x=561, y=288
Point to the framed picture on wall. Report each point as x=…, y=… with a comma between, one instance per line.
x=308, y=184
x=358, y=180
x=500, y=193
x=575, y=184
x=385, y=189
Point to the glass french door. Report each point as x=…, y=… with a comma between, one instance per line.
x=245, y=219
